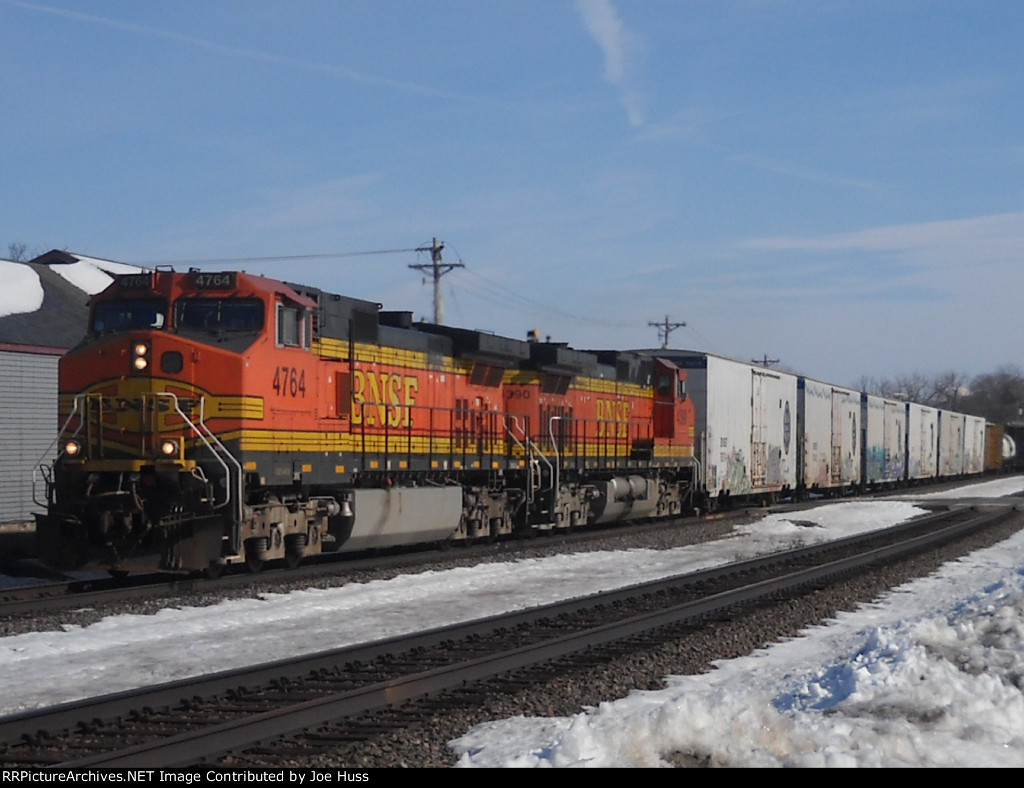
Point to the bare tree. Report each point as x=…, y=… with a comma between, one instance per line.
x=999, y=395
x=913, y=387
x=949, y=390
x=868, y=384
x=17, y=252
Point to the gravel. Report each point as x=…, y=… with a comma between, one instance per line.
x=425, y=743
x=653, y=536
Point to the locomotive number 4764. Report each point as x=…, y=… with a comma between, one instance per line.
x=290, y=381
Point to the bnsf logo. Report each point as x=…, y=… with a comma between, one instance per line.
x=609, y=410
x=383, y=399
x=161, y=405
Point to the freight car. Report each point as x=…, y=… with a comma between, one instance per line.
x=884, y=447
x=745, y=430
x=213, y=419
x=829, y=425
x=219, y=418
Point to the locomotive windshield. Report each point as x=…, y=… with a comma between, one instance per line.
x=219, y=314
x=129, y=315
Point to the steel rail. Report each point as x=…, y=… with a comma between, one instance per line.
x=14, y=727
x=206, y=743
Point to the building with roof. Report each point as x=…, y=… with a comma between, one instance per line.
x=43, y=313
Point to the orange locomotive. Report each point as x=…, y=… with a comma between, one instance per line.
x=219, y=418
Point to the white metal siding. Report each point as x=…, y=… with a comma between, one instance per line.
x=951, y=443
x=885, y=448
x=28, y=425
x=749, y=420
x=831, y=433
x=922, y=441
x=974, y=444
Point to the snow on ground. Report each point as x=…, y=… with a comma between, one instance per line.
x=126, y=651
x=929, y=676
x=22, y=292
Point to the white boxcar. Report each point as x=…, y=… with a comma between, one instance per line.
x=951, y=443
x=922, y=441
x=828, y=423
x=975, y=434
x=745, y=424
x=884, y=425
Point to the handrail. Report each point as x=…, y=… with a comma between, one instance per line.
x=558, y=462
x=532, y=449
x=216, y=448
x=42, y=460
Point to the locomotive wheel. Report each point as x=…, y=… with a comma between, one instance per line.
x=294, y=549
x=256, y=553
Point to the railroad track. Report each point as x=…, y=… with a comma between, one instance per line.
x=30, y=600
x=36, y=597
x=340, y=695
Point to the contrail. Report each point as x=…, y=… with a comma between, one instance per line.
x=251, y=54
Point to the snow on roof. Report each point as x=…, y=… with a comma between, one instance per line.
x=22, y=291
x=43, y=301
x=92, y=274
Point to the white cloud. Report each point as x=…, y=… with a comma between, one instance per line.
x=620, y=48
x=984, y=239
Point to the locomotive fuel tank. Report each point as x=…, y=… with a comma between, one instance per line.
x=624, y=498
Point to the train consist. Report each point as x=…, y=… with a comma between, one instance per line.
x=211, y=419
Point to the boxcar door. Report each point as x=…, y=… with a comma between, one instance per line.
x=759, y=431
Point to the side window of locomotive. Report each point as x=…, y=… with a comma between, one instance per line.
x=293, y=328
x=219, y=314
x=555, y=384
x=132, y=315
x=486, y=375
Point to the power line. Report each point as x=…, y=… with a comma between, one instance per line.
x=501, y=294
x=666, y=329
x=437, y=269
x=274, y=258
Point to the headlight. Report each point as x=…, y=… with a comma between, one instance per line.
x=140, y=356
x=72, y=448
x=169, y=448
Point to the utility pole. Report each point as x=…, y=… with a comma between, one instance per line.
x=664, y=329
x=437, y=269
x=765, y=362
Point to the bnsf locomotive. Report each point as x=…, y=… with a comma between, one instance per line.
x=210, y=419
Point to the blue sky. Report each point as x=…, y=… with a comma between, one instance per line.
x=833, y=183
